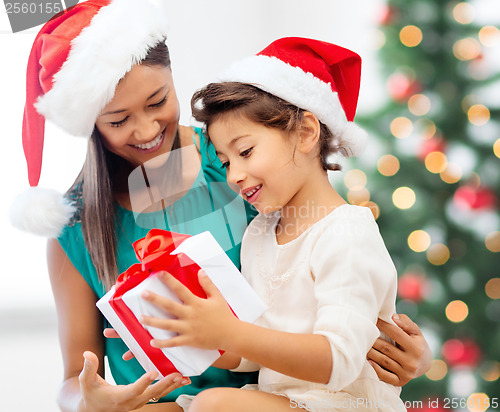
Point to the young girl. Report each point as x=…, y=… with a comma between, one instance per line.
x=319, y=263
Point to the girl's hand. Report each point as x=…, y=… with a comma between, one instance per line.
x=409, y=359
x=201, y=323
x=99, y=395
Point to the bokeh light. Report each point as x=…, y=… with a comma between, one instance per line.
x=457, y=311
x=410, y=36
x=438, y=370
x=419, y=240
x=438, y=254
x=452, y=173
x=490, y=371
x=355, y=179
x=403, y=197
x=492, y=288
x=401, y=127
x=478, y=114
x=358, y=196
x=419, y=104
x=496, y=148
x=467, y=49
x=388, y=165
x=489, y=36
x=436, y=162
x=478, y=402
x=375, y=209
x=463, y=13
x=492, y=242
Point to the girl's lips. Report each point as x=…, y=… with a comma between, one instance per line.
x=254, y=193
x=158, y=140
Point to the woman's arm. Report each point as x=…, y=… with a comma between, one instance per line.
x=409, y=359
x=80, y=332
x=210, y=324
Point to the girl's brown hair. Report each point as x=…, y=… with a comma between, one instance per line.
x=102, y=176
x=256, y=105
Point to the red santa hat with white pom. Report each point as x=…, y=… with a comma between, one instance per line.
x=75, y=64
x=314, y=75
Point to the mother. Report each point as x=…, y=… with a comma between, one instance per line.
x=102, y=71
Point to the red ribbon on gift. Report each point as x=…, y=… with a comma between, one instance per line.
x=154, y=253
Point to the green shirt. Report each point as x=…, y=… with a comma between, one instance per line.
x=209, y=205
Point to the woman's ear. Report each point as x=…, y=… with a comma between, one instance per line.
x=309, y=133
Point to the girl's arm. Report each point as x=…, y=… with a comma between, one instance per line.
x=80, y=332
x=210, y=324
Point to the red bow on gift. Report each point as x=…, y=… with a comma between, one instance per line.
x=154, y=253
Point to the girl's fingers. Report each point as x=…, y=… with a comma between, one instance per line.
x=182, y=292
x=166, y=324
x=169, y=343
x=166, y=304
x=207, y=284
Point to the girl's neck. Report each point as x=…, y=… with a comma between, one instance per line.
x=314, y=202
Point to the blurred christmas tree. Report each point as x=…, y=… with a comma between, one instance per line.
x=431, y=174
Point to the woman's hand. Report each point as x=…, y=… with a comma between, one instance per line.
x=201, y=323
x=110, y=333
x=99, y=395
x=409, y=359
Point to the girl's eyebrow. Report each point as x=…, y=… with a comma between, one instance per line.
x=232, y=142
x=124, y=110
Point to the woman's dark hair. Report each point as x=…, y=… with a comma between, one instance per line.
x=256, y=105
x=104, y=173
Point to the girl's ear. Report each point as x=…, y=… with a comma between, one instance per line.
x=309, y=133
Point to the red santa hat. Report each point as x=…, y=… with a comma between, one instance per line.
x=313, y=75
x=75, y=64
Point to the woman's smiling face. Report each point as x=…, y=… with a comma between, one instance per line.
x=141, y=120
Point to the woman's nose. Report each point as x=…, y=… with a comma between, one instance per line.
x=147, y=128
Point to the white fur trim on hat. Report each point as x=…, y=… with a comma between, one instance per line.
x=41, y=211
x=118, y=37
x=302, y=89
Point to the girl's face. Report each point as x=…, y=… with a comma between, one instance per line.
x=260, y=160
x=141, y=120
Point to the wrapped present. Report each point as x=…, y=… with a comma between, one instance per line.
x=182, y=256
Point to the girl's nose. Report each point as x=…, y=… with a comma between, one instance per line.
x=235, y=175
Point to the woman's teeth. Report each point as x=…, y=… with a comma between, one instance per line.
x=251, y=192
x=150, y=144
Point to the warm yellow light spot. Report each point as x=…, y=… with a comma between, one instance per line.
x=401, y=127
x=438, y=254
x=492, y=288
x=467, y=49
x=452, y=173
x=456, y=311
x=426, y=127
x=419, y=240
x=492, y=242
x=356, y=197
x=419, y=104
x=436, y=162
x=388, y=165
x=489, y=36
x=490, y=371
x=478, y=114
x=463, y=13
x=378, y=40
x=355, y=179
x=496, y=148
x=478, y=402
x=410, y=36
x=438, y=370
x=373, y=207
x=403, y=197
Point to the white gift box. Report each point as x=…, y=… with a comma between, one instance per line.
x=204, y=250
